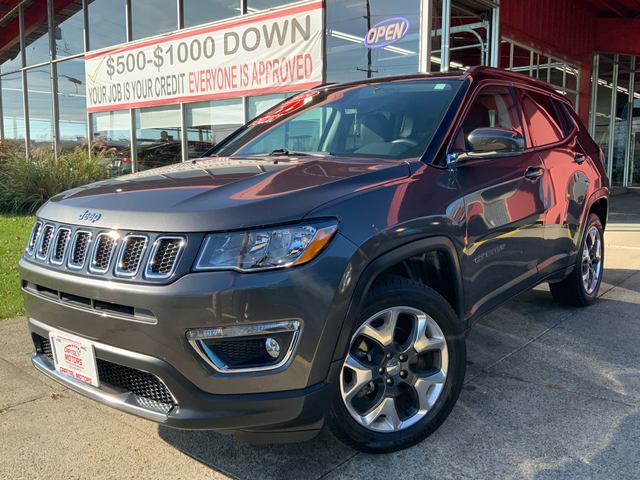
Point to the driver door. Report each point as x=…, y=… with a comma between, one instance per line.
x=504, y=205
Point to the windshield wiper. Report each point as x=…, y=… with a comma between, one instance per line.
x=286, y=151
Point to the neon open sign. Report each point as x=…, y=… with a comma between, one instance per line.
x=386, y=32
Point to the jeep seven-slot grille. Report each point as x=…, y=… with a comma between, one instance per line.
x=108, y=253
x=80, y=248
x=46, y=239
x=131, y=256
x=102, y=255
x=61, y=244
x=165, y=255
x=142, y=384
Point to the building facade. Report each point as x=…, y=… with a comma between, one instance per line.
x=53, y=54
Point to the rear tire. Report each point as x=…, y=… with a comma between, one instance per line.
x=403, y=371
x=580, y=288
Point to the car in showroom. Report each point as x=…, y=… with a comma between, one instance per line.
x=324, y=263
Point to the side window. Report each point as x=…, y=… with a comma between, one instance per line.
x=544, y=125
x=493, y=107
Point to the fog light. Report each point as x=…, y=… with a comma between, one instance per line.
x=246, y=348
x=273, y=347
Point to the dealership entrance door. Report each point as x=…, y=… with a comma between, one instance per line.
x=614, y=120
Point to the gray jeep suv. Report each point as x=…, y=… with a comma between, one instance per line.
x=324, y=263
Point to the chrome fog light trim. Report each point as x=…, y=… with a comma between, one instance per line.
x=196, y=338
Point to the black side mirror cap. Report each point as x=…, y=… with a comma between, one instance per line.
x=495, y=140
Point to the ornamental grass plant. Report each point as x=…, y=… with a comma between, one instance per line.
x=27, y=182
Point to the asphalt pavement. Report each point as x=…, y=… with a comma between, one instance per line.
x=551, y=392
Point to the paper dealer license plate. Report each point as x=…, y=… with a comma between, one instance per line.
x=74, y=357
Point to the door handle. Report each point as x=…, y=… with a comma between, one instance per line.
x=533, y=173
x=579, y=158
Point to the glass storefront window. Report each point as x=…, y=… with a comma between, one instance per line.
x=258, y=5
x=158, y=136
x=40, y=107
x=37, y=40
x=72, y=103
x=261, y=104
x=153, y=18
x=107, y=23
x=69, y=29
x=12, y=107
x=198, y=12
x=347, y=26
x=210, y=122
x=469, y=46
x=112, y=140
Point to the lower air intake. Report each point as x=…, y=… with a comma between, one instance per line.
x=154, y=394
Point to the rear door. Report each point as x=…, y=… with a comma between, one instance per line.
x=565, y=186
x=504, y=207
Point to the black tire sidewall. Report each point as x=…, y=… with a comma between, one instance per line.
x=402, y=292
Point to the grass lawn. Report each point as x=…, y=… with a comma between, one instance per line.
x=14, y=235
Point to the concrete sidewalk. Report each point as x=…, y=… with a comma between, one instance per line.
x=550, y=392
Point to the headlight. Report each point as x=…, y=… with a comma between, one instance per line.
x=265, y=248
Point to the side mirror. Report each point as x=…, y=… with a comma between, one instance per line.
x=495, y=140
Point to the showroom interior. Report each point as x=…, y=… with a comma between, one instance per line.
x=586, y=49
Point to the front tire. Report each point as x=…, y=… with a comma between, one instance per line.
x=581, y=287
x=403, y=371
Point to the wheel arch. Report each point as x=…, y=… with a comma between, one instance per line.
x=385, y=262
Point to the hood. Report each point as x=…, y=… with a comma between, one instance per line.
x=219, y=193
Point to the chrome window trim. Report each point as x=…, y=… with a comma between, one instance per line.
x=70, y=262
x=220, y=367
x=123, y=245
x=148, y=273
x=40, y=256
x=52, y=259
x=94, y=248
x=30, y=250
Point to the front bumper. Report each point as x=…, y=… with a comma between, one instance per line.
x=293, y=398
x=254, y=418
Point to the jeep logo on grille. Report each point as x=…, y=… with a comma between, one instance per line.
x=92, y=217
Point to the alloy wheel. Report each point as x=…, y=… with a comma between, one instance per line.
x=395, y=369
x=591, y=260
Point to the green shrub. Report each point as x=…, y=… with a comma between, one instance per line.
x=28, y=182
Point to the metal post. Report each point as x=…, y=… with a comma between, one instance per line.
x=185, y=133
x=25, y=95
x=511, y=51
x=531, y=63
x=1, y=112
x=595, y=72
x=628, y=158
x=424, y=51
x=445, y=55
x=128, y=19
x=245, y=110
x=134, y=144
x=55, y=107
x=612, y=119
x=495, y=36
x=548, y=69
x=87, y=47
x=243, y=7
x=85, y=15
x=180, y=14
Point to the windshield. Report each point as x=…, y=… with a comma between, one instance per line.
x=391, y=119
